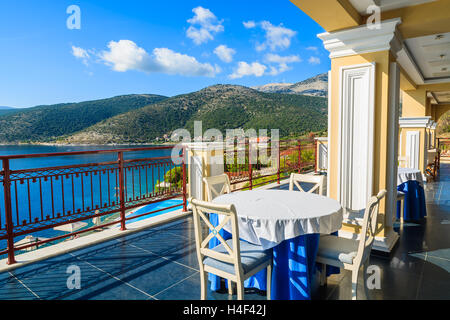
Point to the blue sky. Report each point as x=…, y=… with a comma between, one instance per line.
x=161, y=47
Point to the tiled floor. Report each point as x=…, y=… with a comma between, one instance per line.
x=161, y=263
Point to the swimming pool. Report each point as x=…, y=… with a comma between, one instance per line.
x=154, y=207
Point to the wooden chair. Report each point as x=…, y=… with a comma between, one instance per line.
x=234, y=260
x=318, y=182
x=348, y=253
x=217, y=185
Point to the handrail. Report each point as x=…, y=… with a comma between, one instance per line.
x=43, y=198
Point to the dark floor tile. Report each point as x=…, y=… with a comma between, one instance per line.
x=52, y=283
x=12, y=289
x=434, y=290
x=157, y=276
x=109, y=289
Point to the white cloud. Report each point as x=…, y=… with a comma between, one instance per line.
x=80, y=53
x=208, y=26
x=224, y=53
x=277, y=37
x=244, y=69
x=312, y=48
x=249, y=24
x=125, y=55
x=314, y=60
x=283, y=62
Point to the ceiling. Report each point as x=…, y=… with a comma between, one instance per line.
x=442, y=97
x=385, y=5
x=432, y=55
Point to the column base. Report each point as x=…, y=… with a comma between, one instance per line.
x=384, y=244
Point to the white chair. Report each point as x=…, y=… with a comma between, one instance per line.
x=351, y=254
x=233, y=259
x=401, y=197
x=318, y=182
x=217, y=185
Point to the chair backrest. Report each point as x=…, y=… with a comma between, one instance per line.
x=217, y=185
x=369, y=227
x=201, y=211
x=318, y=182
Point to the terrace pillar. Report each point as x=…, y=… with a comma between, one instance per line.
x=322, y=154
x=363, y=124
x=414, y=142
x=203, y=160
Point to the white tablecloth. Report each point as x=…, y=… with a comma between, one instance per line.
x=408, y=174
x=268, y=217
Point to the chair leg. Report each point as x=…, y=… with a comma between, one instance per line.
x=355, y=273
x=269, y=281
x=203, y=285
x=240, y=290
x=323, y=275
x=230, y=287
x=365, y=265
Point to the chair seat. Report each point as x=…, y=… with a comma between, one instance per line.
x=336, y=248
x=251, y=257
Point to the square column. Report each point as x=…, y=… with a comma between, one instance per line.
x=204, y=159
x=414, y=142
x=363, y=124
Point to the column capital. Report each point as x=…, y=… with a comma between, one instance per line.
x=363, y=40
x=415, y=122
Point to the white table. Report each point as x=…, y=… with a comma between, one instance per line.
x=409, y=174
x=268, y=217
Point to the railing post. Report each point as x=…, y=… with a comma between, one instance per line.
x=279, y=162
x=8, y=211
x=250, y=167
x=183, y=155
x=122, y=191
x=299, y=156
x=315, y=155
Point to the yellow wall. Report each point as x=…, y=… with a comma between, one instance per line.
x=414, y=103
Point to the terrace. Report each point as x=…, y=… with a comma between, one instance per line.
x=146, y=266
x=373, y=67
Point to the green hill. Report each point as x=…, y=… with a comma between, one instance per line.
x=47, y=123
x=221, y=107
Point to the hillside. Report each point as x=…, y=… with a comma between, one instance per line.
x=221, y=107
x=443, y=127
x=47, y=123
x=316, y=86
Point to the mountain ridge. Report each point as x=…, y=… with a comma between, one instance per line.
x=220, y=107
x=316, y=86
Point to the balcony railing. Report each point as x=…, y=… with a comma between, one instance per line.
x=292, y=156
x=44, y=198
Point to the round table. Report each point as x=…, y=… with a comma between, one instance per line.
x=268, y=217
x=289, y=222
x=410, y=182
x=409, y=174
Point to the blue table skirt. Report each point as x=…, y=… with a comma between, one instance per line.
x=293, y=267
x=414, y=206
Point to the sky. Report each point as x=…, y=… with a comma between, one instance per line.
x=71, y=51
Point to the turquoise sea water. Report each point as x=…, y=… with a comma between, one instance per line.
x=94, y=190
